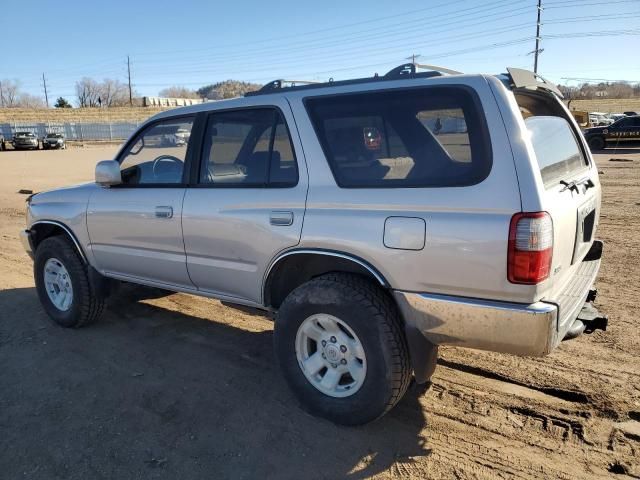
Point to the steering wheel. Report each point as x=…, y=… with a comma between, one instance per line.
x=165, y=159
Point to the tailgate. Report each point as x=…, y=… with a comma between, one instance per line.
x=568, y=187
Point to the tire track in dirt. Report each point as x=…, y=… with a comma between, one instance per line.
x=572, y=415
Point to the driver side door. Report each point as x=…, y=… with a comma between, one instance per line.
x=135, y=228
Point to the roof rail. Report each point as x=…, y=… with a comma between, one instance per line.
x=407, y=70
x=280, y=83
x=412, y=69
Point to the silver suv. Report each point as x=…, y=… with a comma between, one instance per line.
x=377, y=218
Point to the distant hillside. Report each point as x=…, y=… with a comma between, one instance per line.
x=115, y=114
x=138, y=114
x=227, y=89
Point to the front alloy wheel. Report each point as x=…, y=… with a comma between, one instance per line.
x=58, y=284
x=63, y=285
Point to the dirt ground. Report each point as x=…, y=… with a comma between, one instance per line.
x=183, y=387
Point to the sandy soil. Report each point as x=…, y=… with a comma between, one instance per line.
x=182, y=387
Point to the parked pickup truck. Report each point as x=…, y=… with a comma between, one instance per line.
x=375, y=218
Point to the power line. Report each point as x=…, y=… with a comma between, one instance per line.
x=601, y=33
x=323, y=30
x=382, y=34
x=325, y=44
x=581, y=79
x=333, y=55
x=452, y=18
x=579, y=3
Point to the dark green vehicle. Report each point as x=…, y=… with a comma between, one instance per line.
x=624, y=130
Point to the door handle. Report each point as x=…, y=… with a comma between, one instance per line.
x=164, y=212
x=281, y=219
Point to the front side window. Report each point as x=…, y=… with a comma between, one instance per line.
x=249, y=148
x=158, y=154
x=428, y=137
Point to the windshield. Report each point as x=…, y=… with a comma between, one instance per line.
x=54, y=135
x=25, y=134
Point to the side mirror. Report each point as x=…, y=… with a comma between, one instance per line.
x=108, y=173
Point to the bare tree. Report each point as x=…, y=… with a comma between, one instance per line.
x=178, y=92
x=26, y=100
x=88, y=92
x=12, y=97
x=113, y=93
x=10, y=93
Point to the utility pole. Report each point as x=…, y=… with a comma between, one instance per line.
x=46, y=95
x=413, y=57
x=537, y=50
x=1, y=96
x=129, y=76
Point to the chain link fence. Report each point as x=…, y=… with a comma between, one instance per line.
x=80, y=131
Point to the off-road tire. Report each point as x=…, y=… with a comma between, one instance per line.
x=597, y=143
x=372, y=315
x=86, y=306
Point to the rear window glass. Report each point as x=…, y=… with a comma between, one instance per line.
x=428, y=137
x=556, y=148
x=554, y=141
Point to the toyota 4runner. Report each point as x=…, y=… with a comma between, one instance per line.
x=376, y=218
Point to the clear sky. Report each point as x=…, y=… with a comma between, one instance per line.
x=197, y=42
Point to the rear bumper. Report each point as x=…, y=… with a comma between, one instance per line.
x=482, y=324
x=534, y=329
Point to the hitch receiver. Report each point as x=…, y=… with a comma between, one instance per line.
x=592, y=318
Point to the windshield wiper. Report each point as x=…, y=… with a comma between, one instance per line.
x=572, y=185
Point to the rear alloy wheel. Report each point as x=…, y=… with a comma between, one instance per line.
x=330, y=355
x=340, y=344
x=597, y=143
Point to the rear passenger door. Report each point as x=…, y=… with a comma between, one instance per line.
x=248, y=201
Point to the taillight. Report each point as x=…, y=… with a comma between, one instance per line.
x=530, y=248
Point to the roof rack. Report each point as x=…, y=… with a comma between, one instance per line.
x=407, y=70
x=412, y=69
x=278, y=84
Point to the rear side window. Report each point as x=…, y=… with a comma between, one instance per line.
x=554, y=142
x=428, y=137
x=556, y=148
x=249, y=148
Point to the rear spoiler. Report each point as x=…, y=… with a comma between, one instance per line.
x=521, y=78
